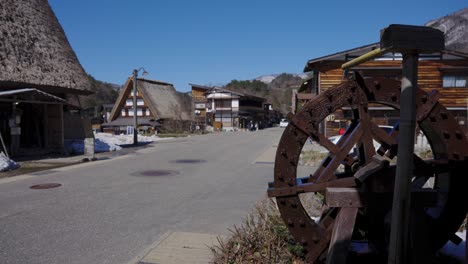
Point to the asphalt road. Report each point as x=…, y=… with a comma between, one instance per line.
x=107, y=212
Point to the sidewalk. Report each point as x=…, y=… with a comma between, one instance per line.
x=181, y=248
x=38, y=164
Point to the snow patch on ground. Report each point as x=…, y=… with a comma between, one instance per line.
x=105, y=142
x=123, y=139
x=458, y=252
x=7, y=164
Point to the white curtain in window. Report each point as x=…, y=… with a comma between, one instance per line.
x=448, y=81
x=460, y=82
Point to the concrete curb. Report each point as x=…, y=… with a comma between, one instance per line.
x=182, y=247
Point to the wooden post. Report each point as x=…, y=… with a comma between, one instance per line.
x=410, y=41
x=62, y=128
x=3, y=145
x=399, y=239
x=341, y=236
x=46, y=127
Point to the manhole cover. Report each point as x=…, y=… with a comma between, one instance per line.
x=157, y=173
x=189, y=161
x=45, y=186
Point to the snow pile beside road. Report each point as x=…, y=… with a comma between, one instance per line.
x=458, y=252
x=123, y=139
x=77, y=146
x=103, y=146
x=6, y=163
x=107, y=142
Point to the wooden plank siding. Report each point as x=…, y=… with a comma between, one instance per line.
x=198, y=94
x=429, y=78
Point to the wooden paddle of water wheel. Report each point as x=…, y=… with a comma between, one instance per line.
x=359, y=199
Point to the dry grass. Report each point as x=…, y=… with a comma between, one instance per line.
x=464, y=225
x=312, y=158
x=262, y=238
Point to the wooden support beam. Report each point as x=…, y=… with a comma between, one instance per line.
x=355, y=198
x=341, y=236
x=344, y=197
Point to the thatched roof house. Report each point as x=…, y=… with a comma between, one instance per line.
x=34, y=51
x=158, y=104
x=39, y=72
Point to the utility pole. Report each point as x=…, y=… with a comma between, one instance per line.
x=135, y=118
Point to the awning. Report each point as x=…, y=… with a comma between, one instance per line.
x=30, y=95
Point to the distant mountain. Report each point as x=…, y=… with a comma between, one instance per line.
x=269, y=78
x=455, y=28
x=276, y=88
x=104, y=93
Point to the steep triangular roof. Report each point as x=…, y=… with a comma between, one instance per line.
x=34, y=51
x=161, y=97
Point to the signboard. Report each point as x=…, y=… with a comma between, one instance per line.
x=199, y=105
x=330, y=118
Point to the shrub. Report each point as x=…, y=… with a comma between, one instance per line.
x=262, y=238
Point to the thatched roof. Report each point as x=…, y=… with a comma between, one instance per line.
x=162, y=100
x=34, y=51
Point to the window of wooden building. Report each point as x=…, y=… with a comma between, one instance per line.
x=124, y=112
x=455, y=80
x=223, y=103
x=129, y=102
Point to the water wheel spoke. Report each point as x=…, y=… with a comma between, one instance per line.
x=393, y=148
x=332, y=162
x=306, y=187
x=382, y=137
x=365, y=145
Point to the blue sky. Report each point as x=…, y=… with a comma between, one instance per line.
x=213, y=41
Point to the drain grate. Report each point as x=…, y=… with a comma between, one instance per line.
x=45, y=186
x=157, y=173
x=189, y=161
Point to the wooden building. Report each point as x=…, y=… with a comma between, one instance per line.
x=159, y=108
x=40, y=76
x=446, y=72
x=228, y=110
x=199, y=102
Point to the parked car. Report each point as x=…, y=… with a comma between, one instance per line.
x=337, y=138
x=284, y=123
